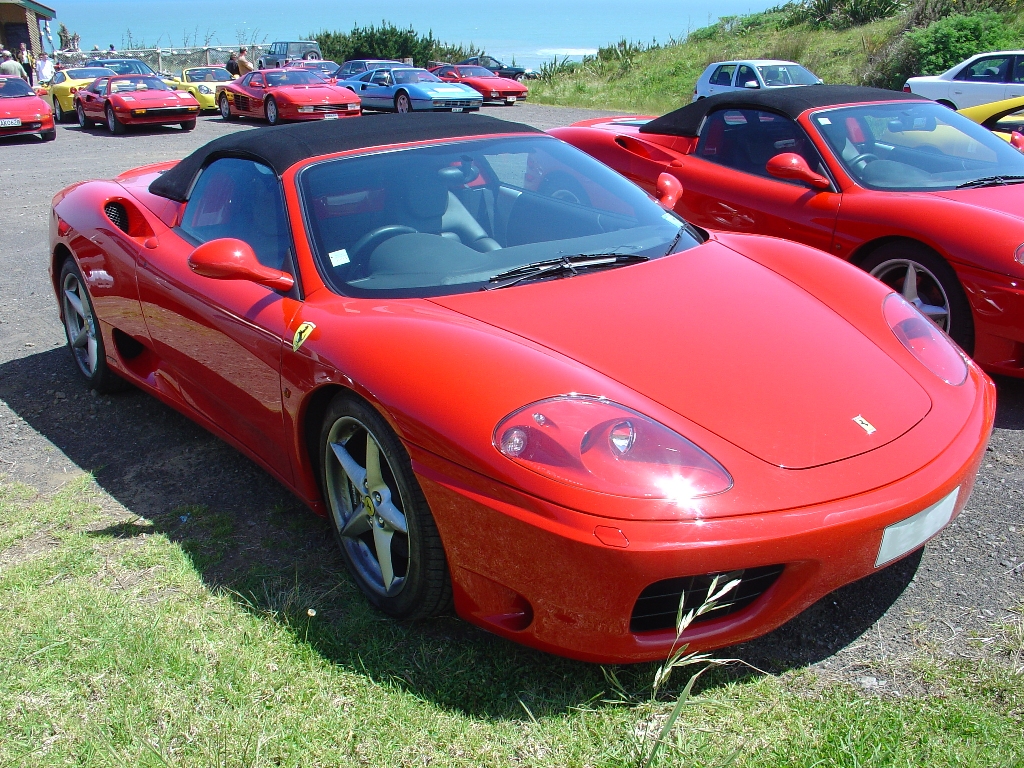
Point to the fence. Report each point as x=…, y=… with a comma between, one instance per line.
x=170, y=60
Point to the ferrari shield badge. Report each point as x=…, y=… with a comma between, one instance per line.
x=304, y=331
x=863, y=423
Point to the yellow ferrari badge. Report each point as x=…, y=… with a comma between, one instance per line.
x=304, y=331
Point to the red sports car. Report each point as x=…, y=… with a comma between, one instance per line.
x=22, y=111
x=491, y=86
x=921, y=197
x=277, y=95
x=123, y=100
x=563, y=417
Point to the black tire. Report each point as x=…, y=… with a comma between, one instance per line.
x=116, y=126
x=403, y=104
x=946, y=103
x=271, y=112
x=225, y=108
x=59, y=115
x=81, y=328
x=49, y=135
x=936, y=284
x=188, y=125
x=83, y=121
x=310, y=56
x=421, y=586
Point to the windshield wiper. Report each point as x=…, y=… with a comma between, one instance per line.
x=562, y=266
x=991, y=181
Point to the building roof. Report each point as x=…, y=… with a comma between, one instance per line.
x=39, y=9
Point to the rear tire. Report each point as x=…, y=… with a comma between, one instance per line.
x=59, y=115
x=82, y=330
x=116, y=126
x=225, y=108
x=83, y=121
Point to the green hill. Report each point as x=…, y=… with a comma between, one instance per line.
x=869, y=42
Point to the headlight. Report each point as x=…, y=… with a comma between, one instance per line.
x=494, y=94
x=605, y=447
x=924, y=340
x=305, y=109
x=205, y=89
x=1018, y=255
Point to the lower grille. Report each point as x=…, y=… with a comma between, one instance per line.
x=657, y=605
x=241, y=103
x=168, y=111
x=458, y=103
x=330, y=107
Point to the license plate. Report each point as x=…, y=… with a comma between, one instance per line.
x=907, y=535
x=10, y=122
x=511, y=98
x=330, y=116
x=456, y=109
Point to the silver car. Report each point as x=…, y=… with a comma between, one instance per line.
x=753, y=74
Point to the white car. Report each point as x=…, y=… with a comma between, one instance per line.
x=723, y=76
x=980, y=79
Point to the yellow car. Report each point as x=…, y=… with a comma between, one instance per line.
x=1003, y=118
x=60, y=91
x=201, y=82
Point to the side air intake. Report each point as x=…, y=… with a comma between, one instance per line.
x=117, y=214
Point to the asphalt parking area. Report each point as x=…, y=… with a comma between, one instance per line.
x=150, y=459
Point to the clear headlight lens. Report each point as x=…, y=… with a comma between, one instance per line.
x=205, y=89
x=593, y=443
x=1018, y=255
x=924, y=340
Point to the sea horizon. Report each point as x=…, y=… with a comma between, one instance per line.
x=531, y=31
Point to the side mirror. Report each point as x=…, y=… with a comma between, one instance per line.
x=1017, y=140
x=791, y=167
x=669, y=190
x=231, y=259
x=751, y=84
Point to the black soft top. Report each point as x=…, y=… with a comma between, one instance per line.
x=281, y=147
x=790, y=102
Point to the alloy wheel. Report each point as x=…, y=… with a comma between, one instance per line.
x=225, y=108
x=80, y=325
x=272, y=112
x=402, y=104
x=82, y=122
x=918, y=286
x=58, y=113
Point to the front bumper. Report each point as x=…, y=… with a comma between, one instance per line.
x=567, y=582
x=44, y=125
x=321, y=112
x=997, y=302
x=157, y=115
x=446, y=105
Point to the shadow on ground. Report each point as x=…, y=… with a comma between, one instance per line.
x=248, y=534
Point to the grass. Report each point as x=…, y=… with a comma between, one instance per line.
x=126, y=641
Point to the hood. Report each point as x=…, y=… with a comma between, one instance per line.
x=448, y=89
x=155, y=98
x=495, y=83
x=315, y=94
x=23, y=106
x=1008, y=199
x=725, y=343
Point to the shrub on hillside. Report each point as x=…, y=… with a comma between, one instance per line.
x=388, y=42
x=841, y=14
x=951, y=40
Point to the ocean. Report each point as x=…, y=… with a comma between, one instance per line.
x=533, y=31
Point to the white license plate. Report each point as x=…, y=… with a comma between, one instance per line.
x=456, y=109
x=511, y=98
x=907, y=535
x=10, y=122
x=330, y=116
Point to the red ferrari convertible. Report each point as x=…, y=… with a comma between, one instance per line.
x=565, y=417
x=489, y=85
x=277, y=95
x=919, y=196
x=22, y=111
x=123, y=100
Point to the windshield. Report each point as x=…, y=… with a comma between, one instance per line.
x=475, y=72
x=914, y=146
x=132, y=84
x=404, y=76
x=207, y=75
x=129, y=67
x=88, y=73
x=12, y=87
x=432, y=221
x=786, y=74
x=294, y=77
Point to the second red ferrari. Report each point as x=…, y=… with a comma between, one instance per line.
x=281, y=95
x=122, y=100
x=489, y=85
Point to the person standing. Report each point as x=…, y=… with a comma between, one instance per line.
x=8, y=66
x=232, y=64
x=27, y=61
x=244, y=67
x=44, y=69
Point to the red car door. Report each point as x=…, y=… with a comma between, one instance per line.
x=92, y=99
x=726, y=185
x=255, y=90
x=221, y=340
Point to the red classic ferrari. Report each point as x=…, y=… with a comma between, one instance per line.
x=565, y=416
x=22, y=111
x=919, y=196
x=277, y=95
x=123, y=100
x=490, y=86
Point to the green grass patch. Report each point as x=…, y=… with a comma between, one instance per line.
x=126, y=641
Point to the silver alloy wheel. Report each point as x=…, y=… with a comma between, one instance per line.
x=402, y=104
x=82, y=122
x=225, y=108
x=919, y=286
x=58, y=113
x=272, y=112
x=80, y=325
x=367, y=513
x=111, y=120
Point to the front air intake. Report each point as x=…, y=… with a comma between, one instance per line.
x=658, y=604
x=117, y=214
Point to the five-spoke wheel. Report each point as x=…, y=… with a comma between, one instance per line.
x=82, y=330
x=402, y=103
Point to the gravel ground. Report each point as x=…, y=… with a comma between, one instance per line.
x=947, y=601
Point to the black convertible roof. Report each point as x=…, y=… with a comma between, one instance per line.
x=283, y=146
x=791, y=102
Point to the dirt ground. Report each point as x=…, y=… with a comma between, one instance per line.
x=945, y=601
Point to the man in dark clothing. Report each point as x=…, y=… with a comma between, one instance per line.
x=232, y=64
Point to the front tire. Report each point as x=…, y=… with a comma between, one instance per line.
x=402, y=103
x=379, y=514
x=116, y=126
x=188, y=125
x=927, y=281
x=49, y=135
x=83, y=332
x=225, y=108
x=271, y=111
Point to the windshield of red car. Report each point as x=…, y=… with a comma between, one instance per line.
x=207, y=75
x=294, y=77
x=88, y=73
x=406, y=76
x=914, y=146
x=444, y=219
x=133, y=84
x=475, y=72
x=13, y=87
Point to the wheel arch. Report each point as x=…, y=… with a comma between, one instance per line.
x=60, y=254
x=863, y=253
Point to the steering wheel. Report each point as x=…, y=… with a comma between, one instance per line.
x=863, y=157
x=366, y=244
